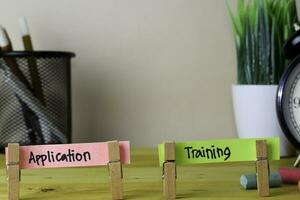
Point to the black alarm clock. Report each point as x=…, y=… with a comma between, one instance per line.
x=288, y=93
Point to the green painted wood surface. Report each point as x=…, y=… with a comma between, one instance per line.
x=142, y=180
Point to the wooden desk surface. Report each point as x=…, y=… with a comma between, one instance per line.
x=142, y=180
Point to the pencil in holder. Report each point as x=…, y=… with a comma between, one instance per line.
x=35, y=97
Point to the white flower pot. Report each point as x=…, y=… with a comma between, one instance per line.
x=255, y=114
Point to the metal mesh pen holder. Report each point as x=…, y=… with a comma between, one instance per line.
x=35, y=97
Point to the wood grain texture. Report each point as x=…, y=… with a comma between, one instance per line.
x=115, y=173
x=113, y=151
x=169, y=151
x=142, y=181
x=13, y=171
x=169, y=182
x=169, y=177
x=262, y=166
x=262, y=178
x=115, y=170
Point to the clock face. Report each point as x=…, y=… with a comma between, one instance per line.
x=294, y=105
x=288, y=103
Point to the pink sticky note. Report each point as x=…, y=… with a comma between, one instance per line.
x=69, y=155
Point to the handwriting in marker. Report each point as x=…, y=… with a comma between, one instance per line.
x=209, y=153
x=70, y=155
x=220, y=150
x=50, y=156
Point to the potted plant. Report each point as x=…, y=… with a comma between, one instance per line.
x=260, y=29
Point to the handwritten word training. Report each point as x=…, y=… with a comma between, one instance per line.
x=209, y=153
x=50, y=156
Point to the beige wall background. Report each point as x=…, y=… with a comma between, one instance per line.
x=145, y=70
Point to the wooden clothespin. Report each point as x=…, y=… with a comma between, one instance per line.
x=115, y=170
x=13, y=170
x=262, y=168
x=169, y=171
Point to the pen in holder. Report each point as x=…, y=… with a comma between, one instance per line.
x=25, y=117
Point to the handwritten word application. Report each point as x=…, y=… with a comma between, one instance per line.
x=69, y=155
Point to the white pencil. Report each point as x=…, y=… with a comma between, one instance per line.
x=4, y=41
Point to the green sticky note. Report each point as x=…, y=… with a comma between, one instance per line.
x=216, y=151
